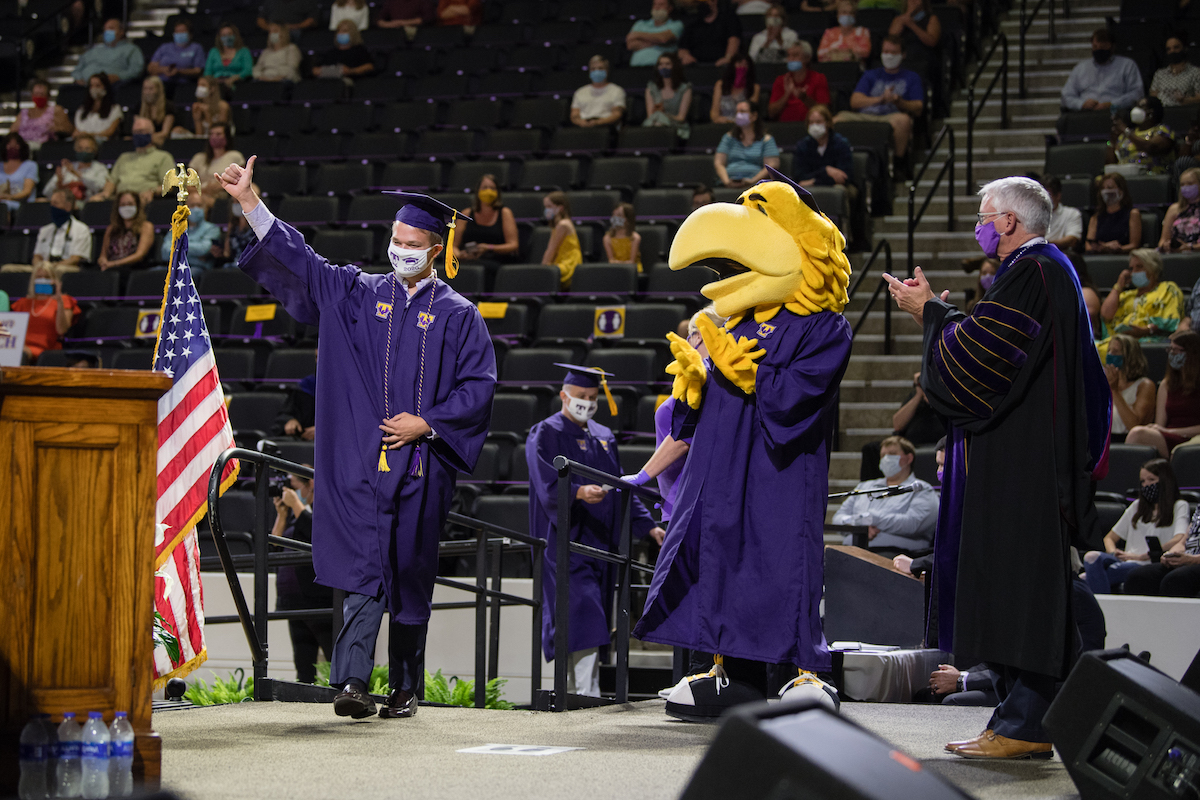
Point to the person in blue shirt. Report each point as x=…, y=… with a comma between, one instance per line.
x=18, y=174
x=649, y=39
x=115, y=56
x=180, y=59
x=205, y=240
x=1103, y=81
x=888, y=94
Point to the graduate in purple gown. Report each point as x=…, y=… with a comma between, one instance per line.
x=595, y=521
x=406, y=378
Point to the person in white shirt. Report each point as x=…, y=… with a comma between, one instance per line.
x=600, y=102
x=770, y=45
x=903, y=523
x=1159, y=511
x=64, y=244
x=1066, y=223
x=85, y=176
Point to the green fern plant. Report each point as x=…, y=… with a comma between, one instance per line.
x=237, y=689
x=438, y=688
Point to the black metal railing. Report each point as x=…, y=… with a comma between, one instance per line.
x=490, y=544
x=914, y=216
x=562, y=567
x=1000, y=43
x=885, y=247
x=1027, y=18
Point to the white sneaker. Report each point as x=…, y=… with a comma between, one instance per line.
x=812, y=689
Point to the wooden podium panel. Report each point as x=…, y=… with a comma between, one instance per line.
x=78, y=464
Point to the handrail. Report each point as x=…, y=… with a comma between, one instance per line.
x=973, y=111
x=914, y=218
x=886, y=247
x=1025, y=23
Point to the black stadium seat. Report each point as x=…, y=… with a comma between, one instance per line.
x=1124, y=463
x=626, y=174
x=1185, y=461
x=276, y=180
x=255, y=411
x=338, y=179
x=663, y=204
x=542, y=112
x=375, y=146
x=346, y=247
x=514, y=324
x=515, y=413
x=513, y=280
x=289, y=120
x=504, y=144
x=473, y=115
x=412, y=116
x=286, y=367
x=533, y=366
x=234, y=363
x=104, y=323
x=1078, y=160
x=372, y=209
x=630, y=365
x=467, y=174
x=546, y=176
x=600, y=282
x=92, y=284
x=342, y=118
x=313, y=147
x=579, y=141
x=424, y=175
x=686, y=170
x=433, y=145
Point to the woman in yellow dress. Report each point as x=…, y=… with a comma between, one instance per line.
x=622, y=242
x=1142, y=304
x=563, y=248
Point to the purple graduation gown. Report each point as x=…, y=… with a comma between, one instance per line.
x=378, y=531
x=594, y=525
x=741, y=570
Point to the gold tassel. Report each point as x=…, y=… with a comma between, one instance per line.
x=451, y=261
x=383, y=465
x=612, y=404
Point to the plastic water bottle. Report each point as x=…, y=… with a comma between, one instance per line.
x=67, y=761
x=94, y=757
x=120, y=760
x=35, y=760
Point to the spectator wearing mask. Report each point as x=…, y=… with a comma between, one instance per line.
x=158, y=109
x=702, y=196
x=407, y=14
x=140, y=171
x=888, y=94
x=987, y=276
x=1116, y=227
x=229, y=60
x=83, y=177
x=218, y=154
x=1191, y=311
x=19, y=175
x=296, y=15
x=129, y=235
x=796, y=90
x=847, y=41
x=489, y=236
x=1144, y=140
x=99, y=115
x=354, y=10
x=600, y=103
x=744, y=153
x=1177, y=574
x=563, y=248
x=1141, y=303
x=739, y=83
x=209, y=109
x=1181, y=226
x=180, y=59
x=650, y=39
x=824, y=157
x=51, y=313
x=205, y=240
x=298, y=417
x=712, y=36
x=668, y=97
x=1177, y=406
x=348, y=58
x=1133, y=394
x=280, y=60
x=467, y=13
x=1104, y=81
x=115, y=56
x=902, y=523
x=915, y=421
x=770, y=45
x=1066, y=223
x=64, y=244
x=1159, y=511
x=918, y=27
x=622, y=242
x=39, y=124
x=1178, y=83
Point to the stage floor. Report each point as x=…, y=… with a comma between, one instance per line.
x=292, y=751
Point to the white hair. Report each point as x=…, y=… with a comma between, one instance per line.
x=1024, y=197
x=806, y=47
x=709, y=311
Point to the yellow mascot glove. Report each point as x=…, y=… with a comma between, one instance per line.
x=735, y=358
x=688, y=369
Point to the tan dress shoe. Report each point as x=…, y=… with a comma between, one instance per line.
x=952, y=746
x=991, y=745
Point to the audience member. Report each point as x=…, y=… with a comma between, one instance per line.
x=796, y=90
x=1133, y=394
x=298, y=416
x=129, y=235
x=158, y=109
x=1191, y=311
x=824, y=6
x=280, y=60
x=744, y=153
x=1177, y=574
x=824, y=157
x=354, y=10
x=902, y=523
x=1116, y=227
x=1181, y=226
x=650, y=39
x=467, y=13
x=407, y=14
x=490, y=236
x=83, y=177
x=887, y=5
x=99, y=115
x=987, y=276
x=702, y=196
x=51, y=313
x=292, y=14
x=1141, y=303
x=1066, y=223
x=180, y=59
x=770, y=45
x=218, y=154
x=888, y=94
x=918, y=27
x=669, y=97
x=749, y=7
x=738, y=83
x=622, y=242
x=348, y=58
x=1104, y=81
x=915, y=421
x=209, y=108
x=229, y=60
x=140, y=171
x=600, y=103
x=712, y=36
x=1159, y=511
x=563, y=248
x=65, y=244
x=114, y=56
x=1178, y=83
x=205, y=240
x=1177, y=406
x=1147, y=142
x=1188, y=149
x=238, y=234
x=953, y=687
x=18, y=181
x=847, y=41
x=39, y=124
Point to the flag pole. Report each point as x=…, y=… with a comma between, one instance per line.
x=178, y=179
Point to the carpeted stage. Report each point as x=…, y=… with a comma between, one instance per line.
x=293, y=751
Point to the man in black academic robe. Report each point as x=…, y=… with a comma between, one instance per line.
x=1022, y=387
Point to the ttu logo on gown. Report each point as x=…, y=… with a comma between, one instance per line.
x=383, y=310
x=765, y=330
x=582, y=444
x=425, y=319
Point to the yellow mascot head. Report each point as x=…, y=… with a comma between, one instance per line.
x=771, y=247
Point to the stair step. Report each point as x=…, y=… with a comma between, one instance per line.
x=871, y=344
x=876, y=366
x=860, y=391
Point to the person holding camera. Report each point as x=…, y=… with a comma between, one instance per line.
x=296, y=587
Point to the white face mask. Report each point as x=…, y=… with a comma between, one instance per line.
x=891, y=60
x=407, y=263
x=1137, y=115
x=889, y=466
x=582, y=410
x=201, y=92
x=816, y=130
x=127, y=212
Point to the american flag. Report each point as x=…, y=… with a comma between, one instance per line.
x=193, y=429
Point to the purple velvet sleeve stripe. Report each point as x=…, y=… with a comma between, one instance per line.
x=978, y=335
x=975, y=362
x=1009, y=319
x=952, y=376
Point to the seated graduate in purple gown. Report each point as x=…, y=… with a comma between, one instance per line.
x=595, y=520
x=404, y=399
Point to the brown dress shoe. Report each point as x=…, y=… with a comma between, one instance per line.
x=992, y=745
x=354, y=701
x=952, y=746
x=400, y=705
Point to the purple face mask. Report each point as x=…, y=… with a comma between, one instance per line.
x=986, y=281
x=1190, y=191
x=988, y=238
x=940, y=471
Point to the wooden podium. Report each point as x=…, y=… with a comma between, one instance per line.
x=78, y=455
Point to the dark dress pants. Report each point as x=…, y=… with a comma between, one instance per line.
x=354, y=650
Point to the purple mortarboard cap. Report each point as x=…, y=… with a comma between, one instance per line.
x=424, y=212
x=805, y=195
x=587, y=377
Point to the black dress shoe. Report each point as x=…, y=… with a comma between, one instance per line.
x=400, y=704
x=354, y=701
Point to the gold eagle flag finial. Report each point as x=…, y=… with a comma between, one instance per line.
x=181, y=178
